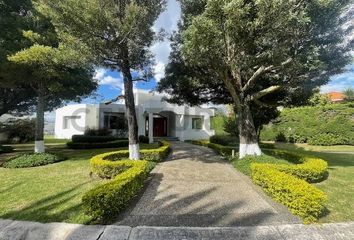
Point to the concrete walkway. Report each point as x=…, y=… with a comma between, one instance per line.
x=20, y=230
x=196, y=188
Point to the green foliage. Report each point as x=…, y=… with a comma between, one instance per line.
x=143, y=139
x=93, y=145
x=106, y=201
x=92, y=139
x=244, y=164
x=319, y=125
x=349, y=94
x=220, y=139
x=153, y=155
x=302, y=199
x=18, y=131
x=6, y=149
x=217, y=124
x=32, y=160
x=319, y=99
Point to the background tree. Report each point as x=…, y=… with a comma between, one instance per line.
x=256, y=52
x=349, y=94
x=119, y=33
x=54, y=71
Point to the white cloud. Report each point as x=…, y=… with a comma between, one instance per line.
x=159, y=70
x=341, y=81
x=168, y=21
x=101, y=75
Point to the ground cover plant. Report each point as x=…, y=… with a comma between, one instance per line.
x=33, y=160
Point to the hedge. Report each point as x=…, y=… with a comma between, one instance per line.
x=89, y=145
x=320, y=125
x=286, y=183
x=93, y=139
x=224, y=150
x=6, y=149
x=302, y=199
x=310, y=169
x=106, y=201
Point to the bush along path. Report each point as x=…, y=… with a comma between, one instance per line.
x=287, y=183
x=127, y=177
x=195, y=187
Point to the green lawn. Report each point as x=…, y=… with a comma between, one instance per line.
x=52, y=192
x=339, y=186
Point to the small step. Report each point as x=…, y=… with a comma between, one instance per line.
x=170, y=139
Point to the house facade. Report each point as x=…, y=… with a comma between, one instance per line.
x=156, y=118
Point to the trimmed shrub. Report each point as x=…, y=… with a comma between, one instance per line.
x=143, y=139
x=113, y=144
x=93, y=139
x=32, y=160
x=6, y=149
x=106, y=201
x=302, y=199
x=310, y=169
x=153, y=155
x=97, y=132
x=219, y=139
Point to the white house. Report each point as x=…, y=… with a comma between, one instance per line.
x=156, y=118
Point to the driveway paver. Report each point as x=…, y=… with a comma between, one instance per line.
x=196, y=187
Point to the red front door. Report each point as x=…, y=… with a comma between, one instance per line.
x=160, y=127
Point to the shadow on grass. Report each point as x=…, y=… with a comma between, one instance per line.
x=49, y=209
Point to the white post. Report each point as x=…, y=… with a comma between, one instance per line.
x=151, y=126
x=182, y=128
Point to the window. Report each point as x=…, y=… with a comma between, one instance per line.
x=114, y=121
x=69, y=121
x=197, y=123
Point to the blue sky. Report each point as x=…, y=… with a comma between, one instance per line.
x=110, y=83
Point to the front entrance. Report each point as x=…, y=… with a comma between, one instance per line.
x=160, y=127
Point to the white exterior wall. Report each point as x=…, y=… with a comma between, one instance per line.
x=179, y=118
x=87, y=118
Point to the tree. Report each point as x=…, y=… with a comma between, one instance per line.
x=349, y=94
x=119, y=34
x=248, y=52
x=54, y=71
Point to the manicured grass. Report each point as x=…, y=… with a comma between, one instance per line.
x=52, y=192
x=339, y=186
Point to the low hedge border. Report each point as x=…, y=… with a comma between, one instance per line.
x=33, y=160
x=90, y=145
x=287, y=183
x=310, y=169
x=6, y=149
x=224, y=150
x=301, y=198
x=107, y=200
x=94, y=139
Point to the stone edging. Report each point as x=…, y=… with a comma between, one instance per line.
x=23, y=230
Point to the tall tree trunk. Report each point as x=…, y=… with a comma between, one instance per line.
x=130, y=111
x=247, y=131
x=39, y=135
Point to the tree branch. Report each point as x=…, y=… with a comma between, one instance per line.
x=261, y=70
x=115, y=99
x=264, y=92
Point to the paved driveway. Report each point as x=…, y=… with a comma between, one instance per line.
x=195, y=187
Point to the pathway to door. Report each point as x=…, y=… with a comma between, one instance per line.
x=195, y=187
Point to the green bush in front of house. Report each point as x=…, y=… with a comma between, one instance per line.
x=319, y=125
x=89, y=145
x=32, y=160
x=104, y=202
